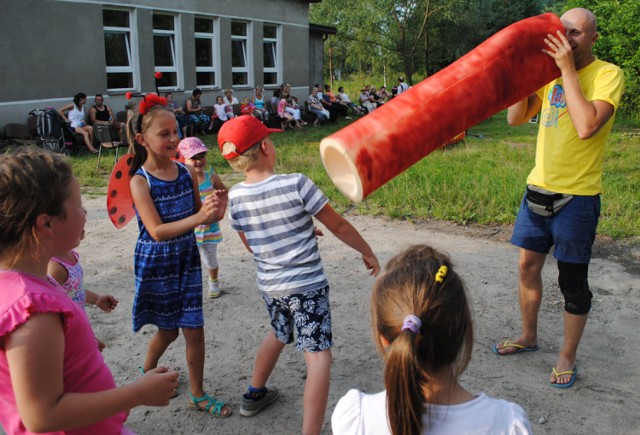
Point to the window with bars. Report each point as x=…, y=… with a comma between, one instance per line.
x=206, y=53
x=272, y=67
x=118, y=47
x=240, y=58
x=164, y=50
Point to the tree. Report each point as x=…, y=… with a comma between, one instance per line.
x=619, y=28
x=413, y=36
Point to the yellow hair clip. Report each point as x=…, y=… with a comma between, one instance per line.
x=442, y=272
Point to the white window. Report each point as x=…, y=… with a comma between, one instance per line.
x=164, y=50
x=240, y=57
x=119, y=50
x=271, y=69
x=206, y=55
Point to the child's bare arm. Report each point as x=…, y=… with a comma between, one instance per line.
x=217, y=182
x=244, y=240
x=58, y=272
x=105, y=302
x=163, y=231
x=35, y=355
x=343, y=230
x=196, y=188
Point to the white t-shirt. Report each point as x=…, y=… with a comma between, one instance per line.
x=233, y=101
x=344, y=98
x=221, y=111
x=358, y=413
x=402, y=87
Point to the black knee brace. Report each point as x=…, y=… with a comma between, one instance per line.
x=572, y=279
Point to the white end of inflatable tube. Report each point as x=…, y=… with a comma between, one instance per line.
x=341, y=169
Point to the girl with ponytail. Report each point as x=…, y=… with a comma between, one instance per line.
x=422, y=326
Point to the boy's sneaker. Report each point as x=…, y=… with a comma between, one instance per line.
x=250, y=407
x=214, y=290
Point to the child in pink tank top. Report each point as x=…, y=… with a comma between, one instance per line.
x=67, y=271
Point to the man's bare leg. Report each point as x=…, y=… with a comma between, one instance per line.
x=573, y=329
x=529, y=297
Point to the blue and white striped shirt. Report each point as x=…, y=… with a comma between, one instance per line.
x=276, y=217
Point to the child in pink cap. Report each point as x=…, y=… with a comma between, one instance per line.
x=207, y=236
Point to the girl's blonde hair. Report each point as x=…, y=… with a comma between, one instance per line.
x=139, y=123
x=416, y=283
x=32, y=182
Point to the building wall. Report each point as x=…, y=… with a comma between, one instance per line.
x=316, y=59
x=52, y=49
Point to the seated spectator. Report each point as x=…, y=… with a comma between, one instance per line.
x=102, y=114
x=286, y=89
x=229, y=99
x=341, y=109
x=248, y=108
x=178, y=111
x=259, y=104
x=286, y=118
x=365, y=99
x=344, y=99
x=291, y=106
x=374, y=97
x=222, y=114
x=384, y=94
x=198, y=120
x=326, y=104
x=222, y=110
x=314, y=105
x=273, y=102
x=74, y=114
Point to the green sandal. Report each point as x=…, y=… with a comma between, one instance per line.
x=214, y=407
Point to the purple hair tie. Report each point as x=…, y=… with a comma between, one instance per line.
x=413, y=323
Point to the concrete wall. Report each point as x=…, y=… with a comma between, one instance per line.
x=53, y=49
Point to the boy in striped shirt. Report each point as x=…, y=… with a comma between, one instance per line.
x=273, y=214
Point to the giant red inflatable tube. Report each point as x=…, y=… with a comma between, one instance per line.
x=501, y=71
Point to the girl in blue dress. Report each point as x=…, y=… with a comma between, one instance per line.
x=167, y=265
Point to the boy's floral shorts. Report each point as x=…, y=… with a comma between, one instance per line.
x=309, y=313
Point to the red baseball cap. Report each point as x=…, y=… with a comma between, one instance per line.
x=244, y=132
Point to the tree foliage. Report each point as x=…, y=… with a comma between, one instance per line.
x=417, y=38
x=412, y=36
x=619, y=42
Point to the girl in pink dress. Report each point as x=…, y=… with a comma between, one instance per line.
x=53, y=379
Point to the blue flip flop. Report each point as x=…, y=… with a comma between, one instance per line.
x=569, y=384
x=519, y=348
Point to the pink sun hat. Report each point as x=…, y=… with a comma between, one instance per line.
x=191, y=146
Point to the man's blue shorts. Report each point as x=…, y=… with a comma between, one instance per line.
x=572, y=230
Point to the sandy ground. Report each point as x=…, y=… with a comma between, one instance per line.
x=604, y=400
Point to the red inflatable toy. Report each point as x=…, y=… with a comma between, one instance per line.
x=501, y=71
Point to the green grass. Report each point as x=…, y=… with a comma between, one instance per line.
x=479, y=180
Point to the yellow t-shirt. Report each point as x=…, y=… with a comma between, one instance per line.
x=564, y=162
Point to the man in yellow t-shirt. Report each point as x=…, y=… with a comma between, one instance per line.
x=562, y=203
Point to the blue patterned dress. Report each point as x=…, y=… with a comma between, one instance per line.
x=168, y=276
